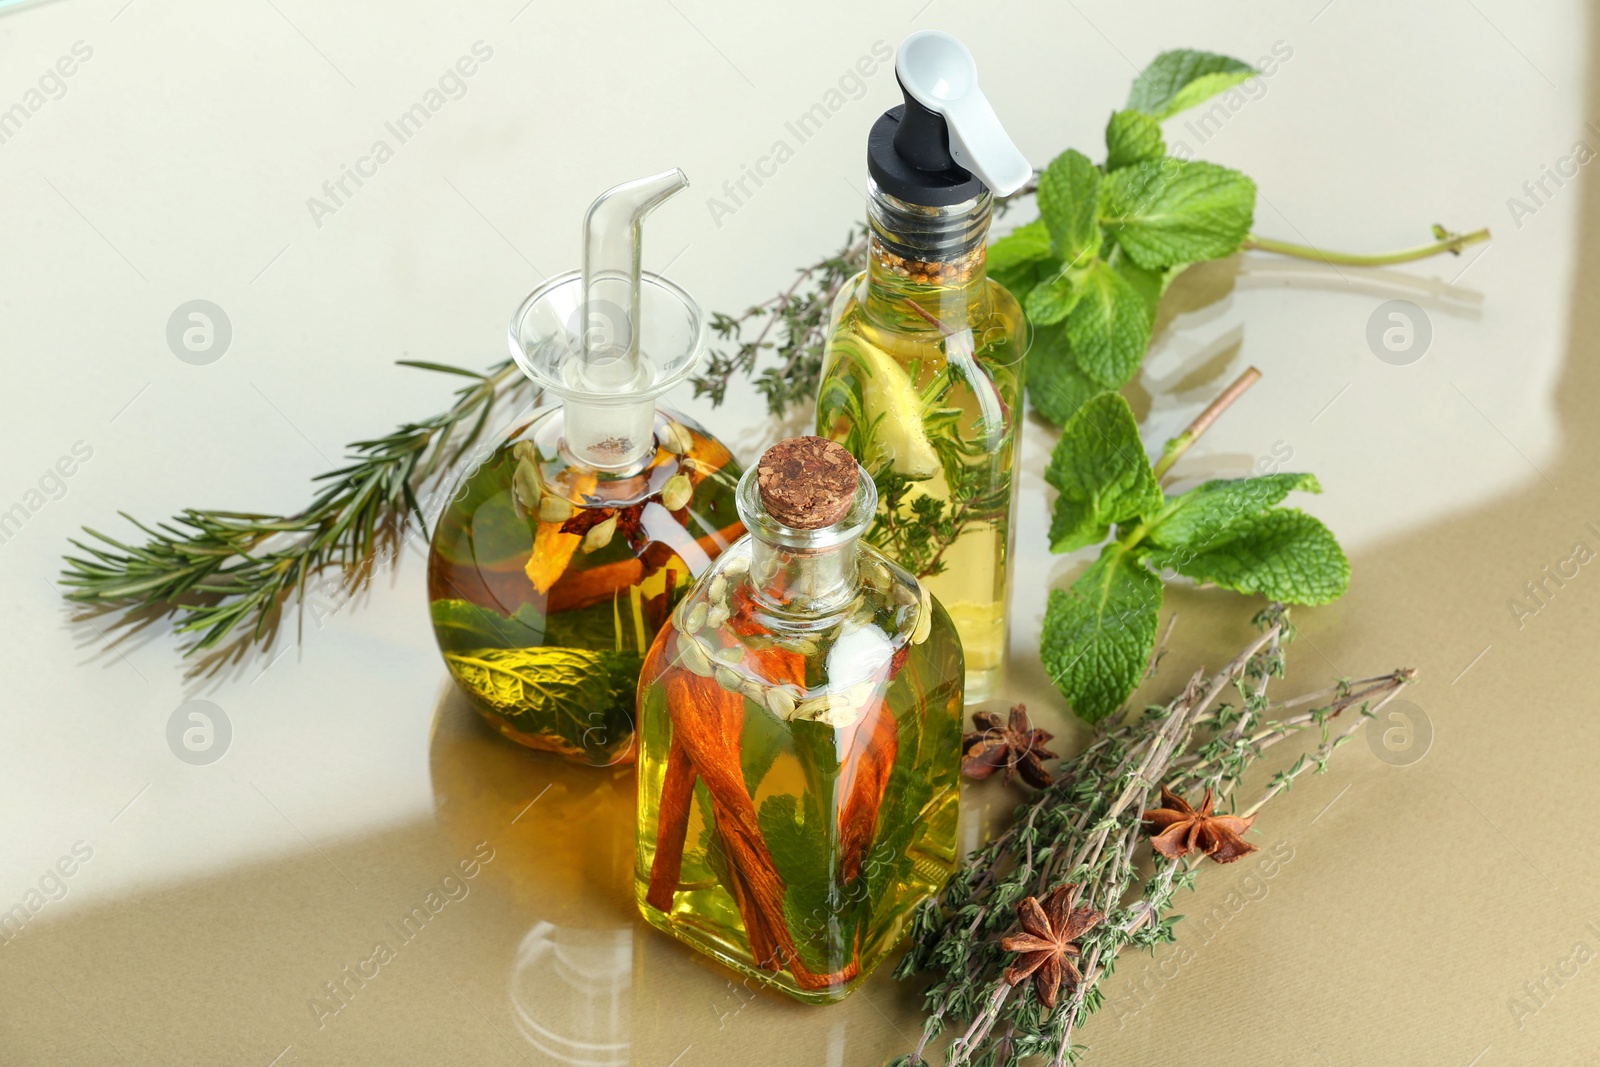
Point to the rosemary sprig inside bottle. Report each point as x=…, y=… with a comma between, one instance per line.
x=219, y=570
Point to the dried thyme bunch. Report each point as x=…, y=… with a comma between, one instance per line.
x=793, y=327
x=1087, y=831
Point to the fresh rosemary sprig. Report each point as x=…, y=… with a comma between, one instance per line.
x=1086, y=829
x=222, y=569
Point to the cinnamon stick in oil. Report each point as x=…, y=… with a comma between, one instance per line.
x=580, y=589
x=870, y=752
x=677, y=794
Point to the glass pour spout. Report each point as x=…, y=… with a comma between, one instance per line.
x=612, y=232
x=609, y=338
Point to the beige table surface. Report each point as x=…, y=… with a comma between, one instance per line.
x=1437, y=906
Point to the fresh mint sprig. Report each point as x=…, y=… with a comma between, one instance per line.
x=1111, y=237
x=1099, y=633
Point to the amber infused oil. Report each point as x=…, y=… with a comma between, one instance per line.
x=800, y=721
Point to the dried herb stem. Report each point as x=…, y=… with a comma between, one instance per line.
x=1087, y=829
x=793, y=325
x=1286, y=779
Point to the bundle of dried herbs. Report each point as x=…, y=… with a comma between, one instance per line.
x=1018, y=942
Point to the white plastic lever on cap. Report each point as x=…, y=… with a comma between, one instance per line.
x=941, y=75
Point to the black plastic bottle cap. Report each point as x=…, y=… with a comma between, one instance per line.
x=945, y=144
x=908, y=156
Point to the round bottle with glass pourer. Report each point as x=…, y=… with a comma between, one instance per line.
x=800, y=730
x=566, y=548
x=922, y=376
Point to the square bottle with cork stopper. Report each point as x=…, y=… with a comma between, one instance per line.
x=799, y=739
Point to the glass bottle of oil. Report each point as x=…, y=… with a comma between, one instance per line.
x=799, y=744
x=923, y=372
x=562, y=553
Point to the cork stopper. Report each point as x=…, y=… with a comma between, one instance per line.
x=807, y=483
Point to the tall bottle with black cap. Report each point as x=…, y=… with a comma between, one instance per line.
x=923, y=374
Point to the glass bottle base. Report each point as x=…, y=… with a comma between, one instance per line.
x=983, y=641
x=704, y=920
x=708, y=938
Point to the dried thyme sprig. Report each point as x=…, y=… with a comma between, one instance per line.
x=793, y=328
x=219, y=570
x=1087, y=829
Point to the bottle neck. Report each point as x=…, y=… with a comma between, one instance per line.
x=804, y=576
x=610, y=437
x=926, y=265
x=803, y=582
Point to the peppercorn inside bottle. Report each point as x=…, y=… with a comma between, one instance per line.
x=799, y=739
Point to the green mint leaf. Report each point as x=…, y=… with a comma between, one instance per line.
x=1173, y=211
x=1283, y=554
x=1109, y=325
x=460, y=625
x=1022, y=278
x=1055, y=384
x=1151, y=284
x=1098, y=636
x=1100, y=469
x=1181, y=79
x=1023, y=245
x=888, y=863
x=1050, y=302
x=1205, y=513
x=580, y=697
x=1069, y=201
x=1133, y=137
x=795, y=837
x=820, y=917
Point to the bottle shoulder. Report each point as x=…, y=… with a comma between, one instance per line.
x=539, y=529
x=682, y=447
x=830, y=668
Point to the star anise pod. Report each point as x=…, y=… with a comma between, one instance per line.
x=1014, y=745
x=1176, y=829
x=1048, y=942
